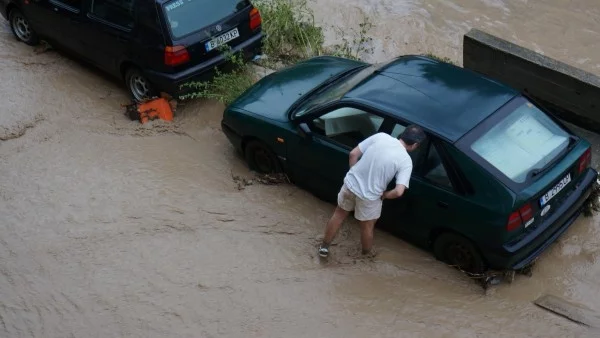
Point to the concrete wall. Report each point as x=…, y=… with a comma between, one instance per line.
x=571, y=93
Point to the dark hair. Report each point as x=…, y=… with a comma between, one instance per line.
x=412, y=134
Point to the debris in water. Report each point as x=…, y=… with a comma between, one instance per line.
x=42, y=48
x=572, y=311
x=266, y=179
x=152, y=109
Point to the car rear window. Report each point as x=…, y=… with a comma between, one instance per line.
x=189, y=16
x=524, y=141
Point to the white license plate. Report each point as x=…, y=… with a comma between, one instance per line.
x=222, y=39
x=555, y=190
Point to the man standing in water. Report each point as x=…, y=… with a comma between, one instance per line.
x=373, y=164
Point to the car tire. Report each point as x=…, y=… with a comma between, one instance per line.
x=139, y=87
x=21, y=28
x=260, y=158
x=458, y=251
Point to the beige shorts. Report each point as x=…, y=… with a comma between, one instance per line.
x=364, y=210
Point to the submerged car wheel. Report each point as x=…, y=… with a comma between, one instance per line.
x=21, y=28
x=260, y=158
x=459, y=252
x=138, y=85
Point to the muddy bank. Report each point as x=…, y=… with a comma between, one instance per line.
x=109, y=228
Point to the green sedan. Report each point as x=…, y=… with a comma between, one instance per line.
x=498, y=180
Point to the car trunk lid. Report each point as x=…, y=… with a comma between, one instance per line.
x=538, y=201
x=200, y=29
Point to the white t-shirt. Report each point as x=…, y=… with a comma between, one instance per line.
x=383, y=158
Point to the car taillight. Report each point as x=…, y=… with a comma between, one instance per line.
x=522, y=216
x=585, y=160
x=176, y=55
x=255, y=19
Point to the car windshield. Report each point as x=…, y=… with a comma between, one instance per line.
x=336, y=90
x=188, y=16
x=525, y=141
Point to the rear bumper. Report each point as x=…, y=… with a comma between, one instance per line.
x=516, y=256
x=171, y=83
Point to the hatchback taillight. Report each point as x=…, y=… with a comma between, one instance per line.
x=255, y=19
x=585, y=160
x=522, y=216
x=176, y=55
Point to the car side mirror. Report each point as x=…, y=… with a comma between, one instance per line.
x=304, y=131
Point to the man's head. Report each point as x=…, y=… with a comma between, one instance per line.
x=412, y=137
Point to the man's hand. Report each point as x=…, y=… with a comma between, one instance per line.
x=397, y=192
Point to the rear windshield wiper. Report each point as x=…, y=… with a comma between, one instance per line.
x=536, y=171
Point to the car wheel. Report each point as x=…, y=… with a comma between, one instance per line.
x=21, y=28
x=260, y=158
x=459, y=252
x=138, y=85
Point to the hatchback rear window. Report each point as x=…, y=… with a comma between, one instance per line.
x=189, y=16
x=524, y=141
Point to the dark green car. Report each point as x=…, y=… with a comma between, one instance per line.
x=498, y=180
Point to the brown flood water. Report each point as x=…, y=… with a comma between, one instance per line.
x=112, y=229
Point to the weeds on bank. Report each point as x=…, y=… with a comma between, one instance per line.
x=226, y=86
x=360, y=43
x=291, y=32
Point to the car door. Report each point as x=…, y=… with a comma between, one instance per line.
x=319, y=160
x=53, y=19
x=430, y=201
x=107, y=34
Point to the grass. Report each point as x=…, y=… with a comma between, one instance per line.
x=291, y=32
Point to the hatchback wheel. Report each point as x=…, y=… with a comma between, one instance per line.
x=21, y=28
x=138, y=85
x=260, y=158
x=459, y=252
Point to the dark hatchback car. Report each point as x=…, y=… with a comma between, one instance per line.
x=498, y=180
x=153, y=45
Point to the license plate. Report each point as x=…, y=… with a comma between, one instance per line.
x=222, y=39
x=555, y=190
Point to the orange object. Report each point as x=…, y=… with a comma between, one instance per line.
x=155, y=109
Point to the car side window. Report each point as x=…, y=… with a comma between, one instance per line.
x=74, y=4
x=434, y=169
x=347, y=125
x=113, y=11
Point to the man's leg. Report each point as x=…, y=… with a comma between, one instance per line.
x=366, y=235
x=367, y=212
x=334, y=224
x=345, y=205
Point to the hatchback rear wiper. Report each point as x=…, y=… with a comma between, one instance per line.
x=536, y=171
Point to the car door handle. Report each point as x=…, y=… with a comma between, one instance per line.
x=442, y=204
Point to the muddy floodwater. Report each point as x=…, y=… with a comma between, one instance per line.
x=113, y=229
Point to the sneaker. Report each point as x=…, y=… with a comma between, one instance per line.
x=323, y=252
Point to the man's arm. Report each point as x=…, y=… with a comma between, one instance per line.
x=397, y=192
x=402, y=181
x=355, y=155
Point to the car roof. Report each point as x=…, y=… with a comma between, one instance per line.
x=445, y=99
